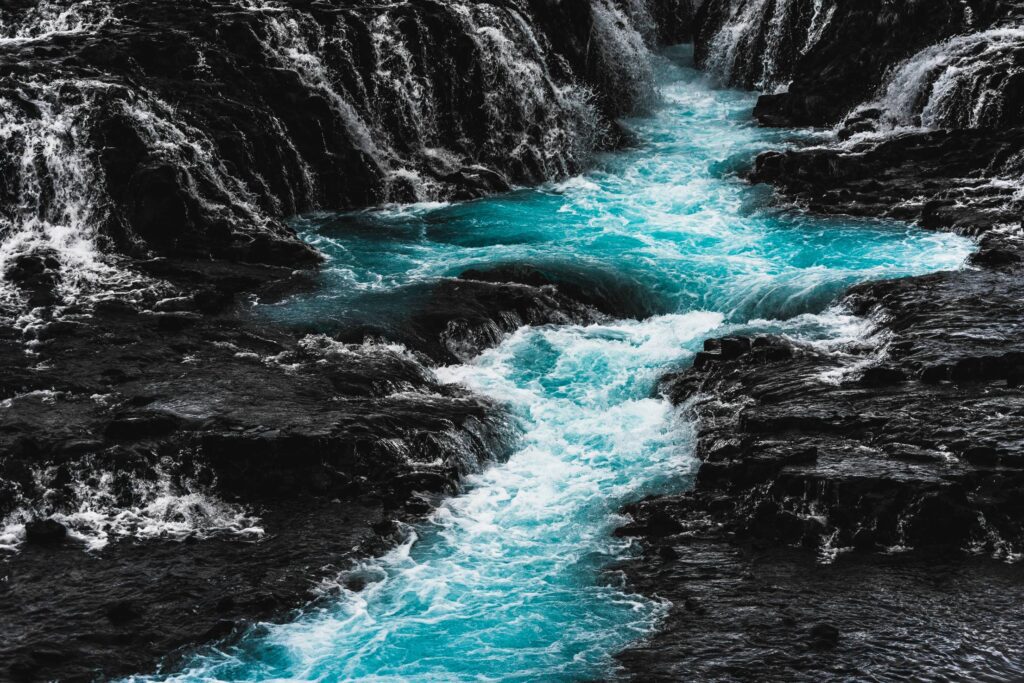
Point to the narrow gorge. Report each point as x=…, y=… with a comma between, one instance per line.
x=511, y=340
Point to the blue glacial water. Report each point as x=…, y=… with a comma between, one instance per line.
x=504, y=582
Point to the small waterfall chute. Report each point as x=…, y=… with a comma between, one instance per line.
x=756, y=43
x=968, y=81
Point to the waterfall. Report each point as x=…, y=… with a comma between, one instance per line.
x=820, y=20
x=968, y=81
x=53, y=204
x=755, y=43
x=623, y=49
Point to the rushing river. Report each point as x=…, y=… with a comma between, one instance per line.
x=504, y=582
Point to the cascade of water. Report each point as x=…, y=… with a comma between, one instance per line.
x=297, y=46
x=539, y=127
x=964, y=82
x=502, y=582
x=54, y=197
x=758, y=41
x=772, y=61
x=172, y=140
x=820, y=20
x=50, y=18
x=624, y=50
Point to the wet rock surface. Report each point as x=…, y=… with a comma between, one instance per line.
x=746, y=614
x=177, y=469
x=959, y=180
x=76, y=616
x=452, y=320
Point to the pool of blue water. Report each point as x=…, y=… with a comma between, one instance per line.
x=504, y=582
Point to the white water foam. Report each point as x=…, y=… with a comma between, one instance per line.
x=955, y=83
x=51, y=18
x=59, y=201
x=92, y=507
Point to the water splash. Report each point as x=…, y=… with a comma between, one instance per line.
x=963, y=82
x=758, y=42
x=98, y=506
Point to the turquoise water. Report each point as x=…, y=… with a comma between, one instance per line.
x=504, y=582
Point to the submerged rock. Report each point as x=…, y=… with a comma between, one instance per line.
x=45, y=532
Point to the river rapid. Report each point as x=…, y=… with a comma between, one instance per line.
x=506, y=581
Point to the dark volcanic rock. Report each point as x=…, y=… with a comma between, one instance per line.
x=919, y=451
x=45, y=532
x=856, y=514
x=774, y=614
x=609, y=293
x=886, y=510
x=117, y=611
x=320, y=444
x=452, y=320
x=462, y=317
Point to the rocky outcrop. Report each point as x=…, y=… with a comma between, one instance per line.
x=169, y=475
x=746, y=614
x=453, y=319
x=145, y=451
x=960, y=180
